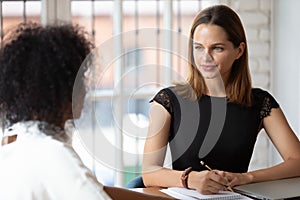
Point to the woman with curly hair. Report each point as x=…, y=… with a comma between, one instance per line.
x=38, y=69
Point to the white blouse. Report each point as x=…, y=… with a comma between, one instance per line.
x=37, y=166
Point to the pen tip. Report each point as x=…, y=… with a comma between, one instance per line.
x=201, y=162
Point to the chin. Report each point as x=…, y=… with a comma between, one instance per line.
x=210, y=75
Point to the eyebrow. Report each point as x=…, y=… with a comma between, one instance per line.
x=215, y=44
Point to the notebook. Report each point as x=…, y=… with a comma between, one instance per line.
x=272, y=190
x=188, y=194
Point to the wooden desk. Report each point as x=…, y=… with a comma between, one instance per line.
x=152, y=191
x=136, y=194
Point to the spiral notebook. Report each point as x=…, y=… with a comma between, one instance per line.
x=188, y=194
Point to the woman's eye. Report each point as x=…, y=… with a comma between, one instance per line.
x=219, y=48
x=198, y=47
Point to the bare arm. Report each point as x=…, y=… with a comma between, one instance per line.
x=154, y=174
x=287, y=144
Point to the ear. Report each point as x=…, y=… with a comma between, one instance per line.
x=240, y=50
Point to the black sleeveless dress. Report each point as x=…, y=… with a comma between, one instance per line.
x=220, y=133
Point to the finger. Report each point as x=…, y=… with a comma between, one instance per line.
x=215, y=183
x=229, y=176
x=208, y=182
x=233, y=182
x=213, y=190
x=208, y=189
x=219, y=178
x=221, y=173
x=224, y=175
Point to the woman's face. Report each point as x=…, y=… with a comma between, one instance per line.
x=213, y=52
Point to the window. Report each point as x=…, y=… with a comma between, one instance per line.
x=143, y=44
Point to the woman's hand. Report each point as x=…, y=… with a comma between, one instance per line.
x=238, y=178
x=207, y=182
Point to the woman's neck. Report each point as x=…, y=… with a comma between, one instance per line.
x=215, y=87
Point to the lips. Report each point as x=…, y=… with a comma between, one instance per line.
x=208, y=67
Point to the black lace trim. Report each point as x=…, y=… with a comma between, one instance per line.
x=264, y=101
x=266, y=108
x=164, y=99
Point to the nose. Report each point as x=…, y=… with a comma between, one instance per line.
x=206, y=56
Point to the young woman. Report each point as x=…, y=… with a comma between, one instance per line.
x=216, y=116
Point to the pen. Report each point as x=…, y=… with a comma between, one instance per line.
x=207, y=167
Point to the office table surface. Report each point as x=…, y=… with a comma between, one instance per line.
x=151, y=193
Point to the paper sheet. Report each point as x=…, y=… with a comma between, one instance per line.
x=188, y=194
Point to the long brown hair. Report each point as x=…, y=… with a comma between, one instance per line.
x=238, y=86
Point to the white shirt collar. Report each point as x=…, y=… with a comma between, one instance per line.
x=38, y=129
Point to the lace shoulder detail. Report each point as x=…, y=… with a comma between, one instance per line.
x=163, y=98
x=265, y=101
x=266, y=108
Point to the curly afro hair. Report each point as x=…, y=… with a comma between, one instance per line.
x=38, y=68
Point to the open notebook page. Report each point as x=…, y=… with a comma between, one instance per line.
x=183, y=193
